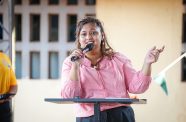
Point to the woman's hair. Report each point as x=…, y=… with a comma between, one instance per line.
x=106, y=49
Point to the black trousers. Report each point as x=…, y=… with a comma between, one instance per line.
x=5, y=112
x=119, y=114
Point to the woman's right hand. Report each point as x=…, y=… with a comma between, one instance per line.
x=75, y=64
x=77, y=53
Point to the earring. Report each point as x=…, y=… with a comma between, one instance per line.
x=103, y=42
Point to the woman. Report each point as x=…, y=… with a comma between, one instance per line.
x=102, y=73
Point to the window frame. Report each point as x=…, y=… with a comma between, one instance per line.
x=183, y=61
x=69, y=28
x=49, y=28
x=53, y=3
x=31, y=25
x=89, y=4
x=18, y=40
x=183, y=69
x=49, y=64
x=1, y=36
x=31, y=2
x=19, y=52
x=31, y=68
x=184, y=28
x=184, y=2
x=72, y=4
x=18, y=2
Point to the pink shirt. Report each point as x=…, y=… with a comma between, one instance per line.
x=115, y=78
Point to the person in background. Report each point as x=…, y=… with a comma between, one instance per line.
x=8, y=87
x=103, y=73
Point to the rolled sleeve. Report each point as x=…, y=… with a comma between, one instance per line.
x=70, y=88
x=136, y=81
x=140, y=83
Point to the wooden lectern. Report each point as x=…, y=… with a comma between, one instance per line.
x=96, y=102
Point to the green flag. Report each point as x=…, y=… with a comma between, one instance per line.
x=160, y=79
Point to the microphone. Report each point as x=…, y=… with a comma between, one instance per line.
x=88, y=47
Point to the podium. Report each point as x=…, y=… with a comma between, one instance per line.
x=96, y=102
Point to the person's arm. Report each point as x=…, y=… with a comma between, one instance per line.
x=13, y=90
x=75, y=65
x=151, y=57
x=10, y=94
x=13, y=86
x=70, y=79
x=13, y=83
x=139, y=81
x=74, y=72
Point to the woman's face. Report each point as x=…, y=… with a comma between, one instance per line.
x=90, y=33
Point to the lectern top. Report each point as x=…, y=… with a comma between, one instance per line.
x=96, y=100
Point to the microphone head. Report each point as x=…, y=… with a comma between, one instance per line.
x=88, y=47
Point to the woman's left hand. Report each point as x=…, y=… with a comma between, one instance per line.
x=153, y=55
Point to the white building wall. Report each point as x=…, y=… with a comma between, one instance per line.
x=133, y=27
x=62, y=46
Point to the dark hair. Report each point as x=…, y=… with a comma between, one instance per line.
x=106, y=49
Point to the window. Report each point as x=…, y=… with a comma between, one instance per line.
x=91, y=15
x=34, y=27
x=53, y=65
x=72, y=19
x=90, y=2
x=18, y=2
x=34, y=2
x=18, y=26
x=53, y=2
x=72, y=2
x=184, y=1
x=1, y=29
x=184, y=29
x=183, y=62
x=53, y=28
x=183, y=69
x=18, y=61
x=34, y=65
